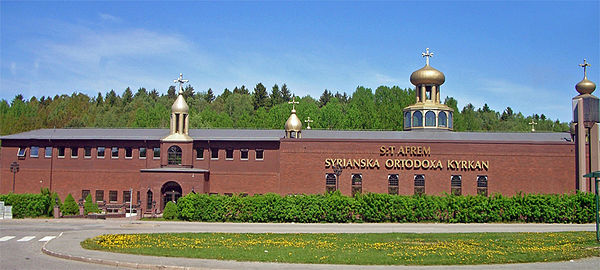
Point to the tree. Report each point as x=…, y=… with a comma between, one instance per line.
x=285, y=93
x=260, y=96
x=188, y=91
x=276, y=96
x=127, y=96
x=325, y=97
x=90, y=206
x=210, y=96
x=171, y=211
x=172, y=92
x=69, y=207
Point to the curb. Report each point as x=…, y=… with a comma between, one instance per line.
x=114, y=263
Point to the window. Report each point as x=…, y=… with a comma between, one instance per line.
x=456, y=185
x=442, y=119
x=330, y=182
x=450, y=120
x=156, y=152
x=482, y=185
x=149, y=199
x=48, y=151
x=87, y=152
x=200, y=153
x=99, y=195
x=407, y=120
x=61, y=152
x=430, y=119
x=260, y=154
x=417, y=119
x=356, y=183
x=128, y=152
x=112, y=196
x=114, y=152
x=142, y=152
x=101, y=150
x=428, y=92
x=393, y=184
x=21, y=152
x=85, y=193
x=74, y=152
x=292, y=134
x=244, y=154
x=34, y=151
x=126, y=196
x=419, y=184
x=229, y=154
x=174, y=155
x=214, y=153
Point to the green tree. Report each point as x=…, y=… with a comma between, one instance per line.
x=69, y=207
x=210, y=96
x=260, y=97
x=276, y=96
x=325, y=97
x=285, y=93
x=90, y=206
x=171, y=211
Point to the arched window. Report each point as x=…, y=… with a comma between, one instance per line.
x=419, y=184
x=174, y=155
x=356, y=183
x=450, y=120
x=393, y=184
x=407, y=120
x=330, y=182
x=482, y=185
x=442, y=119
x=417, y=119
x=149, y=200
x=456, y=185
x=430, y=119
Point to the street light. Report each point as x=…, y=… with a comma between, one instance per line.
x=14, y=168
x=337, y=170
x=596, y=176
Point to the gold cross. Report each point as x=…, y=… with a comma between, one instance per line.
x=427, y=54
x=293, y=102
x=308, y=121
x=181, y=81
x=584, y=66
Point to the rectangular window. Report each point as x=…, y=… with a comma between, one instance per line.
x=34, y=151
x=356, y=183
x=112, y=196
x=128, y=152
x=456, y=185
x=244, y=154
x=61, y=152
x=142, y=152
x=114, y=152
x=229, y=154
x=126, y=196
x=21, y=152
x=48, y=151
x=200, y=153
x=87, y=152
x=393, y=184
x=84, y=193
x=330, y=182
x=482, y=185
x=214, y=153
x=156, y=152
x=260, y=154
x=99, y=195
x=419, y=184
x=138, y=201
x=101, y=150
x=74, y=152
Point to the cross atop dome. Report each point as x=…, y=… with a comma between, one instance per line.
x=584, y=66
x=293, y=102
x=181, y=81
x=427, y=54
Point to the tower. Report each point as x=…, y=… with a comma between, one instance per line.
x=179, y=116
x=293, y=126
x=428, y=113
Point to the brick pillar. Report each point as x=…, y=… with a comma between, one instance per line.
x=56, y=212
x=81, y=210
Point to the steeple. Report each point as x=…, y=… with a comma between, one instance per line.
x=293, y=126
x=585, y=86
x=179, y=116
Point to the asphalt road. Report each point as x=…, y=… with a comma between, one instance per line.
x=34, y=233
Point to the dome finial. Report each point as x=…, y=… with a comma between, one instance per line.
x=427, y=54
x=181, y=81
x=584, y=66
x=293, y=102
x=585, y=86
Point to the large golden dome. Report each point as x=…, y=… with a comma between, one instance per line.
x=585, y=86
x=180, y=106
x=293, y=123
x=427, y=75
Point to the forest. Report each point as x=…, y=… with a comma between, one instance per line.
x=241, y=108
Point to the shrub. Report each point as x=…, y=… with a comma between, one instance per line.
x=90, y=206
x=171, y=212
x=69, y=207
x=27, y=205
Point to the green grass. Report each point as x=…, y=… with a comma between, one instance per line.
x=361, y=249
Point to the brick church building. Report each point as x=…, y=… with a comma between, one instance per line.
x=161, y=165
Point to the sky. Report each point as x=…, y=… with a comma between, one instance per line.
x=523, y=55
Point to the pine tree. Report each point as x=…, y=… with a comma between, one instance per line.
x=285, y=93
x=210, y=96
x=260, y=96
x=127, y=96
x=276, y=96
x=69, y=207
x=325, y=97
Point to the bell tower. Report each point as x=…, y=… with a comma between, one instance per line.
x=179, y=116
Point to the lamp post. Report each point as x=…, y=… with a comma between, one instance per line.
x=14, y=168
x=337, y=170
x=596, y=176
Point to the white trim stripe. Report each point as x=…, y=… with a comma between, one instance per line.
x=47, y=238
x=6, y=238
x=26, y=238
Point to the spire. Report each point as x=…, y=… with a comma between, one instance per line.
x=585, y=86
x=293, y=126
x=179, y=116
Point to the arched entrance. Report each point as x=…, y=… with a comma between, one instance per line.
x=171, y=192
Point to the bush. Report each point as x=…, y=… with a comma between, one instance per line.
x=372, y=207
x=171, y=212
x=69, y=207
x=90, y=206
x=27, y=205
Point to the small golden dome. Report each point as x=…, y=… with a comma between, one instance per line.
x=427, y=75
x=180, y=106
x=293, y=123
x=585, y=86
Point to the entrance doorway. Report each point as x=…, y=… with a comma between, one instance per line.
x=171, y=192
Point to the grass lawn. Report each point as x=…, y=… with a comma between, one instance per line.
x=361, y=249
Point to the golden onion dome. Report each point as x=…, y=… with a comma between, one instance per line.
x=180, y=106
x=427, y=75
x=293, y=123
x=585, y=86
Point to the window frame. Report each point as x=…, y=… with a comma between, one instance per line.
x=200, y=153
x=98, y=152
x=22, y=152
x=356, y=187
x=112, y=152
x=110, y=195
x=101, y=193
x=130, y=150
x=243, y=152
x=46, y=151
x=61, y=149
x=142, y=150
x=419, y=189
x=481, y=189
x=155, y=151
x=229, y=154
x=125, y=195
x=37, y=152
x=456, y=189
x=393, y=189
x=259, y=150
x=74, y=154
x=330, y=186
x=214, y=153
x=174, y=157
x=85, y=152
x=84, y=193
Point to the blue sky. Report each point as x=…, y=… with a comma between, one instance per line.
x=519, y=54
